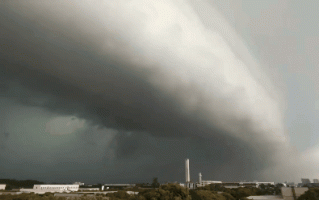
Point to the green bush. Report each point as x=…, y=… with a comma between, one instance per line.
x=165, y=192
x=311, y=194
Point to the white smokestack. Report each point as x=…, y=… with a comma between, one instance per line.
x=200, y=177
x=187, y=175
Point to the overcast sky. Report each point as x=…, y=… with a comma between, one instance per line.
x=124, y=91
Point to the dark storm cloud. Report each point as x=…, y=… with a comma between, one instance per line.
x=3, y=137
x=126, y=69
x=219, y=159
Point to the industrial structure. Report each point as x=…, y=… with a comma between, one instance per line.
x=188, y=183
x=187, y=175
x=203, y=183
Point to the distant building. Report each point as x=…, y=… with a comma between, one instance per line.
x=266, y=197
x=3, y=186
x=89, y=189
x=290, y=184
x=309, y=185
x=203, y=183
x=107, y=186
x=306, y=183
x=78, y=183
x=41, y=189
x=305, y=180
x=255, y=184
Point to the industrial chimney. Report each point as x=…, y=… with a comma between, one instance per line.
x=200, y=178
x=187, y=175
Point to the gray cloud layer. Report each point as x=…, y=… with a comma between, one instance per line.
x=151, y=69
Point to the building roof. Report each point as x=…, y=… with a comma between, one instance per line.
x=266, y=197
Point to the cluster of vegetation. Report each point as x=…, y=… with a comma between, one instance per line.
x=48, y=196
x=154, y=184
x=173, y=191
x=311, y=194
x=246, y=191
x=210, y=192
x=210, y=195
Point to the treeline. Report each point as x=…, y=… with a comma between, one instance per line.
x=311, y=194
x=16, y=184
x=171, y=192
x=210, y=192
x=47, y=196
x=246, y=191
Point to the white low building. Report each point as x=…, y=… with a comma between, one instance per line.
x=202, y=183
x=266, y=197
x=78, y=183
x=255, y=184
x=41, y=189
x=207, y=182
x=3, y=186
x=89, y=189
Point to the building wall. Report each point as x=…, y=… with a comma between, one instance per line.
x=305, y=180
x=234, y=184
x=265, y=197
x=287, y=192
x=190, y=185
x=57, y=187
x=2, y=186
x=255, y=184
x=41, y=189
x=119, y=185
x=90, y=189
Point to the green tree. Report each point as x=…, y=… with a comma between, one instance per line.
x=311, y=194
x=228, y=196
x=166, y=192
x=119, y=195
x=277, y=188
x=216, y=187
x=240, y=193
x=206, y=195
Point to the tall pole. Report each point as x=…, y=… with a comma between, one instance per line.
x=187, y=175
